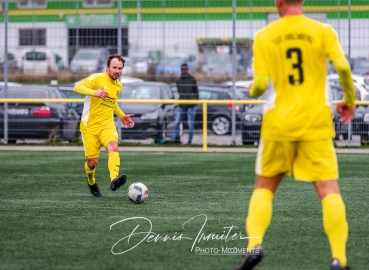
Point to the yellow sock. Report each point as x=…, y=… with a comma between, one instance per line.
x=259, y=215
x=90, y=175
x=113, y=165
x=335, y=225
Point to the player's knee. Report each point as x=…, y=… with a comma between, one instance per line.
x=112, y=147
x=92, y=163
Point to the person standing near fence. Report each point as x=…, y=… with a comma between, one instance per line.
x=297, y=127
x=97, y=123
x=187, y=89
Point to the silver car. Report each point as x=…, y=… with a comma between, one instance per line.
x=89, y=60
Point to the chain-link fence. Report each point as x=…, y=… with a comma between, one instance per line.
x=64, y=41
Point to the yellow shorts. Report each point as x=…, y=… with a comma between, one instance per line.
x=308, y=160
x=92, y=142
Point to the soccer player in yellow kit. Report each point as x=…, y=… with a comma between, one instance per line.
x=97, y=122
x=297, y=127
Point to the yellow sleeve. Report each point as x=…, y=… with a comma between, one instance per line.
x=261, y=73
x=337, y=57
x=332, y=45
x=83, y=90
x=259, y=85
x=259, y=62
x=87, y=87
x=344, y=71
x=118, y=112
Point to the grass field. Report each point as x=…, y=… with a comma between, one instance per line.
x=49, y=220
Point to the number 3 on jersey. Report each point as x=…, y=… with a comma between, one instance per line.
x=295, y=53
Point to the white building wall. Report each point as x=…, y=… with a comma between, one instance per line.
x=359, y=36
x=56, y=38
x=180, y=37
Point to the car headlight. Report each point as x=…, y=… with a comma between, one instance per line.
x=150, y=115
x=366, y=117
x=253, y=117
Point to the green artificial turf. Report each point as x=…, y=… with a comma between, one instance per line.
x=49, y=220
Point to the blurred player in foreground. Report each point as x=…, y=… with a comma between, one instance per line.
x=97, y=123
x=297, y=127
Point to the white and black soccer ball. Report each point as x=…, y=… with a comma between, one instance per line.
x=137, y=192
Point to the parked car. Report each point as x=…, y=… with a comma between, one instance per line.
x=252, y=118
x=40, y=61
x=12, y=62
x=221, y=66
x=89, y=60
x=360, y=66
x=359, y=124
x=41, y=120
x=361, y=84
x=171, y=65
x=219, y=116
x=365, y=125
x=138, y=62
x=67, y=91
x=151, y=120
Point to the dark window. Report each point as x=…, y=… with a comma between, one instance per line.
x=32, y=4
x=32, y=37
x=97, y=3
x=35, y=56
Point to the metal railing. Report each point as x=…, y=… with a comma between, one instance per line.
x=204, y=103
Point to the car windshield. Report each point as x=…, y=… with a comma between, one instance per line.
x=87, y=55
x=35, y=56
x=136, y=59
x=140, y=92
x=242, y=93
x=24, y=93
x=362, y=64
x=70, y=93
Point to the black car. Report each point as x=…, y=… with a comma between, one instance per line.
x=251, y=122
x=251, y=119
x=151, y=120
x=219, y=115
x=67, y=90
x=359, y=124
x=41, y=120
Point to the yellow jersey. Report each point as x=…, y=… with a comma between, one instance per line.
x=98, y=112
x=293, y=52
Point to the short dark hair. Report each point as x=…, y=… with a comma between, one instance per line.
x=117, y=56
x=184, y=65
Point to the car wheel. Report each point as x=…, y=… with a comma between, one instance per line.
x=221, y=125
